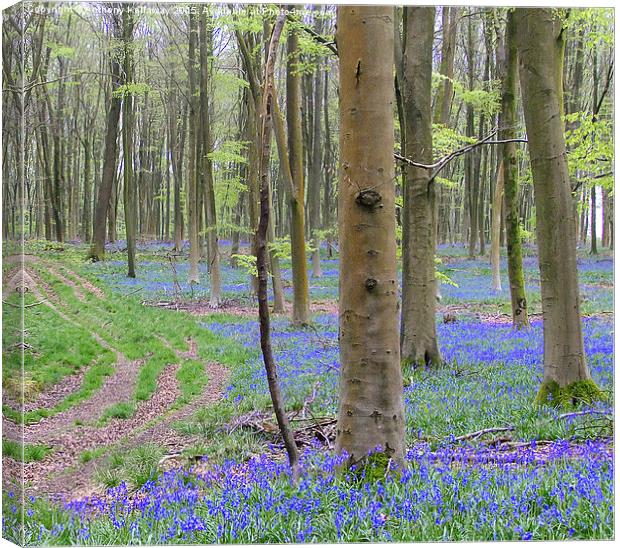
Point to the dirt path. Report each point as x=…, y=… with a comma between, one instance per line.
x=62, y=472
x=135, y=431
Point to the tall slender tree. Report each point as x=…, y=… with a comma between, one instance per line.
x=129, y=192
x=108, y=175
x=192, y=183
x=507, y=131
x=301, y=302
x=213, y=259
x=371, y=412
x=418, y=331
x=540, y=39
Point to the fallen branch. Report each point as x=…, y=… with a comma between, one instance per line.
x=474, y=435
x=134, y=291
x=581, y=413
x=26, y=305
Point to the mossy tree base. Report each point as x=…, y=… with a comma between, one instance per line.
x=375, y=467
x=578, y=392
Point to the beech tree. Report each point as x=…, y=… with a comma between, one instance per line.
x=419, y=285
x=540, y=40
x=508, y=122
x=371, y=412
x=129, y=191
x=192, y=183
x=301, y=301
x=97, y=250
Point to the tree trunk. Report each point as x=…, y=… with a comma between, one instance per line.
x=192, y=194
x=540, y=42
x=129, y=201
x=371, y=410
x=88, y=185
x=112, y=209
x=108, y=174
x=261, y=257
x=508, y=122
x=593, y=236
x=213, y=259
x=496, y=283
x=443, y=101
x=419, y=285
x=314, y=190
x=471, y=184
x=593, y=248
x=301, y=304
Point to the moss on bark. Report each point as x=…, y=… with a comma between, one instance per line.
x=584, y=391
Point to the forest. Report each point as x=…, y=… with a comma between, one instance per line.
x=306, y=273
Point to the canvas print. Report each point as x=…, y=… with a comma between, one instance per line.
x=306, y=273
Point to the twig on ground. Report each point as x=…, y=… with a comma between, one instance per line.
x=26, y=305
x=582, y=413
x=474, y=435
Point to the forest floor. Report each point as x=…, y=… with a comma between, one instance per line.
x=147, y=416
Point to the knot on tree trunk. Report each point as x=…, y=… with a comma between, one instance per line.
x=368, y=198
x=370, y=284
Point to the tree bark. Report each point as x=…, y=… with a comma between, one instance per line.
x=314, y=190
x=213, y=259
x=540, y=42
x=301, y=301
x=471, y=184
x=508, y=122
x=496, y=222
x=192, y=183
x=371, y=411
x=443, y=101
x=88, y=185
x=129, y=192
x=419, y=285
x=108, y=175
x=261, y=254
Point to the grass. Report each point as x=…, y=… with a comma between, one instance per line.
x=92, y=381
x=121, y=410
x=137, y=331
x=134, y=467
x=51, y=353
x=31, y=453
x=91, y=454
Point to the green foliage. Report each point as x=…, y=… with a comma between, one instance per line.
x=590, y=145
x=61, y=50
x=281, y=247
x=597, y=24
x=134, y=89
x=446, y=140
x=247, y=262
x=485, y=101
x=442, y=277
x=527, y=235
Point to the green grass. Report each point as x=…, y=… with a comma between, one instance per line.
x=136, y=331
x=52, y=353
x=121, y=410
x=31, y=453
x=91, y=454
x=135, y=466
